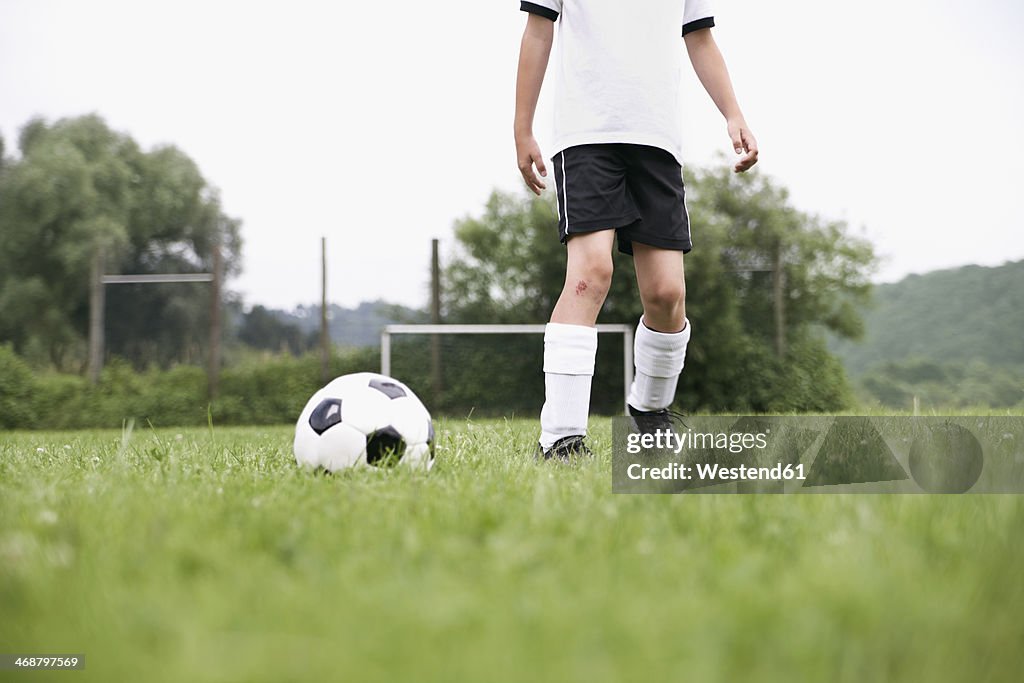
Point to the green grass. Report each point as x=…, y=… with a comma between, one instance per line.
x=199, y=555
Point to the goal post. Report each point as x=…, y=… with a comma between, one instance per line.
x=625, y=330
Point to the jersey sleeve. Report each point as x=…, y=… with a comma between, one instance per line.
x=697, y=14
x=550, y=9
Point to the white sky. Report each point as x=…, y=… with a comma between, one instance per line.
x=379, y=124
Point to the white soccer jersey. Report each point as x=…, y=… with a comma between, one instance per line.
x=618, y=70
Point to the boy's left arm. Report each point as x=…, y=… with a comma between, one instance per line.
x=714, y=76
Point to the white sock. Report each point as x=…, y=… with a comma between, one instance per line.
x=569, y=353
x=659, y=358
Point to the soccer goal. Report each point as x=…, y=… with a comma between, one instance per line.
x=390, y=331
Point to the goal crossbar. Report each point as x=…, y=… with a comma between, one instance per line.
x=159, y=278
x=625, y=330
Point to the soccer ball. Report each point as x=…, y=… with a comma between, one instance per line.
x=361, y=420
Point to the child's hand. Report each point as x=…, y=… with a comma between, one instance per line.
x=743, y=142
x=528, y=154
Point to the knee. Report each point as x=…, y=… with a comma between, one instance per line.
x=593, y=273
x=665, y=306
x=599, y=270
x=666, y=298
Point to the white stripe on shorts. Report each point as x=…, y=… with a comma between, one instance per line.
x=565, y=197
x=689, y=228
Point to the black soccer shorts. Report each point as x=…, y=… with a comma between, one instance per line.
x=635, y=190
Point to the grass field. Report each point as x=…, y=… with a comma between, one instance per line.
x=207, y=555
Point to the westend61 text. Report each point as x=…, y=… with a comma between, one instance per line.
x=715, y=472
x=668, y=440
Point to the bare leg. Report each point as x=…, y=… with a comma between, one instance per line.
x=588, y=275
x=570, y=340
x=659, y=275
x=662, y=336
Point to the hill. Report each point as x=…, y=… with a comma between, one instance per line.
x=358, y=326
x=951, y=335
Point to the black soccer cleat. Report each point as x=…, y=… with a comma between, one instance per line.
x=649, y=422
x=565, y=449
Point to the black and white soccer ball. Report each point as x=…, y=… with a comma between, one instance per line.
x=361, y=420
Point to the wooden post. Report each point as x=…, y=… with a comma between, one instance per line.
x=325, y=337
x=97, y=304
x=435, y=318
x=779, y=296
x=213, y=368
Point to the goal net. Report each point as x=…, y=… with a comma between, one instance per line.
x=497, y=370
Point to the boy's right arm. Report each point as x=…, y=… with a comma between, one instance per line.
x=533, y=62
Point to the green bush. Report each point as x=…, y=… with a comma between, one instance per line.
x=270, y=390
x=811, y=380
x=16, y=389
x=60, y=402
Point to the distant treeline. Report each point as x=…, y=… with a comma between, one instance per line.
x=298, y=330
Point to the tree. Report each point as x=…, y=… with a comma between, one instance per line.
x=745, y=222
x=507, y=267
x=79, y=188
x=261, y=329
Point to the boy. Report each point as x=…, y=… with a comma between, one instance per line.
x=618, y=172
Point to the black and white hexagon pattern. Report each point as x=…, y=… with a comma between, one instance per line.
x=364, y=419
